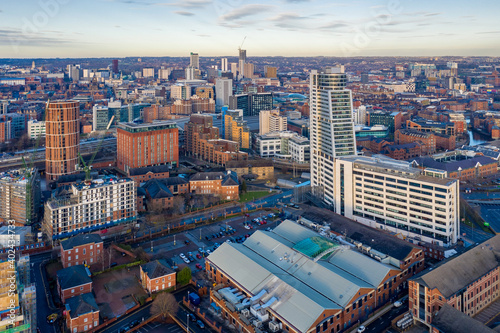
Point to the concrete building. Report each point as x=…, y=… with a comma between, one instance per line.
x=81, y=249
x=225, y=185
x=392, y=195
x=271, y=121
x=270, y=72
x=148, y=72
x=73, y=281
x=142, y=145
x=90, y=205
x=36, y=129
x=286, y=145
x=62, y=138
x=293, y=279
x=20, y=196
x=82, y=313
x=332, y=128
x=252, y=103
x=180, y=91
x=194, y=60
x=236, y=129
x=157, y=276
x=224, y=64
x=4, y=107
x=468, y=283
x=223, y=90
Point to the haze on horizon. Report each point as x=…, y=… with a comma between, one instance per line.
x=121, y=28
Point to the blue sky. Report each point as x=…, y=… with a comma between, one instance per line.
x=119, y=28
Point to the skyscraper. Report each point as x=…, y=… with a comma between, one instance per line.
x=115, y=66
x=62, y=136
x=223, y=89
x=271, y=121
x=223, y=64
x=242, y=61
x=194, y=61
x=332, y=127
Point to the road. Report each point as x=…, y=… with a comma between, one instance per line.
x=125, y=321
x=43, y=309
x=384, y=321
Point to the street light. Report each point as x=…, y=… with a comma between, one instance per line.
x=187, y=317
x=174, y=239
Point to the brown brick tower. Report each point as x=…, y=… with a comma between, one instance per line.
x=62, y=123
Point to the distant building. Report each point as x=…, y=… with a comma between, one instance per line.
x=142, y=175
x=36, y=129
x=236, y=129
x=392, y=120
x=148, y=72
x=194, y=60
x=270, y=72
x=225, y=185
x=157, y=276
x=252, y=103
x=223, y=91
x=81, y=249
x=271, y=121
x=73, y=281
x=142, y=145
x=286, y=145
x=461, y=167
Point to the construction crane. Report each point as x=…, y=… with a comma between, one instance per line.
x=86, y=167
x=239, y=48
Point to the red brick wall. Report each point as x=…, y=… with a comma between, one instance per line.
x=83, y=323
x=78, y=290
x=87, y=254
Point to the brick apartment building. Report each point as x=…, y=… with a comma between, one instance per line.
x=404, y=151
x=157, y=276
x=82, y=313
x=160, y=192
x=143, y=145
x=428, y=140
x=73, y=281
x=261, y=169
x=223, y=184
x=142, y=175
x=468, y=283
x=81, y=249
x=467, y=169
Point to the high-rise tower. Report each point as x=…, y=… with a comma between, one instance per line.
x=62, y=136
x=332, y=127
x=194, y=61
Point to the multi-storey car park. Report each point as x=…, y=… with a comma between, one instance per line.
x=90, y=205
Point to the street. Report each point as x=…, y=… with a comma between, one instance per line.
x=384, y=321
x=43, y=309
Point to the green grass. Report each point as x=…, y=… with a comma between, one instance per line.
x=249, y=196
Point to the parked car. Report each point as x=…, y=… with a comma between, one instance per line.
x=182, y=256
x=397, y=304
x=198, y=256
x=247, y=227
x=200, y=324
x=361, y=329
x=209, y=252
x=198, y=266
x=51, y=318
x=192, y=317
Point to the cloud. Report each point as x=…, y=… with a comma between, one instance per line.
x=488, y=32
x=432, y=14
x=187, y=3
x=204, y=35
x=16, y=37
x=334, y=25
x=287, y=17
x=244, y=11
x=296, y=1
x=183, y=13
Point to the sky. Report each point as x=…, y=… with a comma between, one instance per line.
x=122, y=28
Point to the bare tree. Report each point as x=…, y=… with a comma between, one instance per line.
x=164, y=305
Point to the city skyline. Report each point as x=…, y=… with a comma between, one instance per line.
x=121, y=28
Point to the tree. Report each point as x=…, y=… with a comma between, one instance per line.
x=243, y=188
x=164, y=305
x=184, y=276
